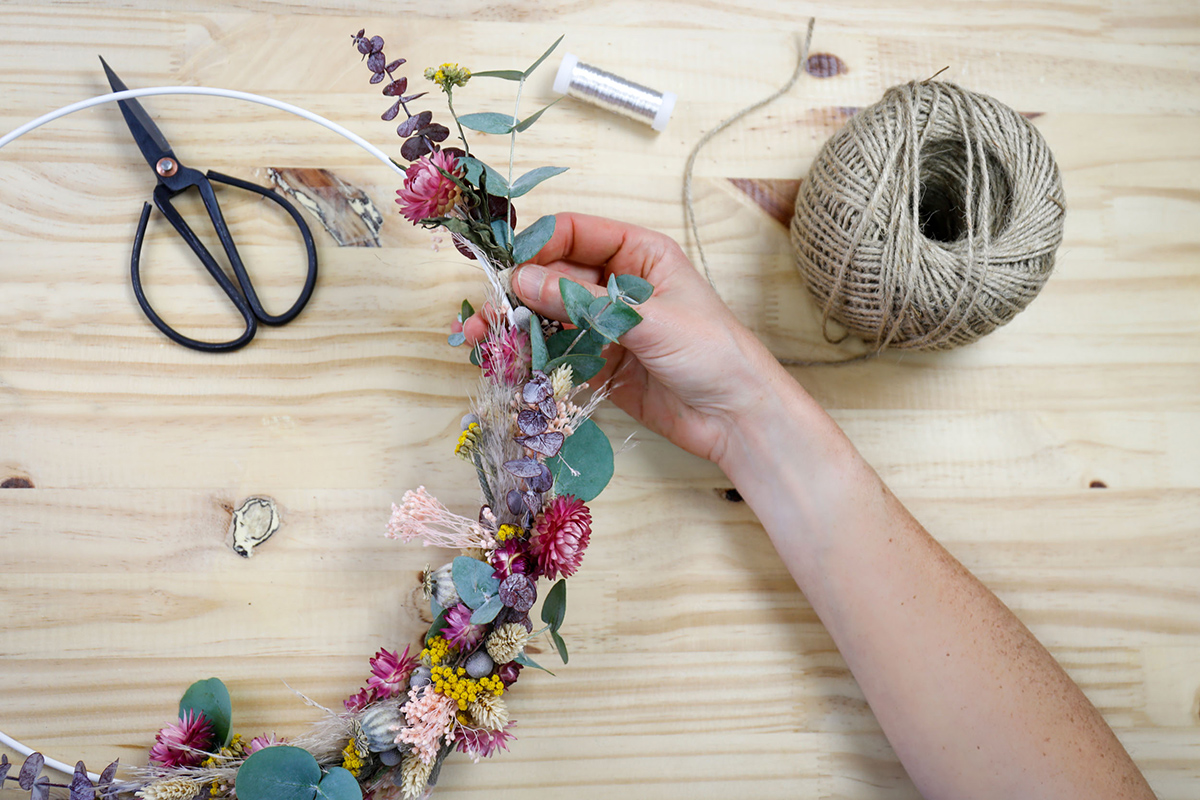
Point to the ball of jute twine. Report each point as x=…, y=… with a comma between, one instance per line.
x=929, y=220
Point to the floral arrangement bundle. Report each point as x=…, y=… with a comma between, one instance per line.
x=538, y=458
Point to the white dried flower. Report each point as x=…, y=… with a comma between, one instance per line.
x=561, y=381
x=414, y=774
x=170, y=789
x=489, y=712
x=506, y=642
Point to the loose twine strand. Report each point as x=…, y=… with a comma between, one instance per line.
x=930, y=219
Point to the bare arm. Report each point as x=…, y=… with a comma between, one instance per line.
x=972, y=703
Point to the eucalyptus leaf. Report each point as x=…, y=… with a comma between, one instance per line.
x=537, y=343
x=41, y=788
x=579, y=341
x=554, y=608
x=629, y=288
x=488, y=611
x=456, y=339
x=439, y=622
x=588, y=451
x=526, y=661
x=532, y=239
x=487, y=122
x=501, y=232
x=473, y=580
x=466, y=311
x=584, y=367
x=576, y=300
x=560, y=644
x=340, y=784
x=4, y=765
x=542, y=58
x=30, y=769
x=81, y=786
x=211, y=699
x=474, y=168
x=615, y=321
x=527, y=123
x=532, y=178
x=503, y=74
x=281, y=772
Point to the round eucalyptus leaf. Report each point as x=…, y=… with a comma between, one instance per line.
x=210, y=698
x=281, y=772
x=339, y=784
x=589, y=453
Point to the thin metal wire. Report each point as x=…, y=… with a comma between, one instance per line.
x=613, y=93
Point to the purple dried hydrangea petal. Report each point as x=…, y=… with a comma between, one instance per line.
x=537, y=389
x=531, y=422
x=542, y=481
x=518, y=592
x=524, y=467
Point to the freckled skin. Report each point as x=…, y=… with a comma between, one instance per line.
x=973, y=704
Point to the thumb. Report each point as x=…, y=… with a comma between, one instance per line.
x=538, y=288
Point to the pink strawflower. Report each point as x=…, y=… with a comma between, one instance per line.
x=420, y=515
x=357, y=702
x=184, y=743
x=511, y=557
x=459, y=631
x=506, y=355
x=389, y=673
x=478, y=743
x=427, y=193
x=259, y=742
x=561, y=534
x=429, y=717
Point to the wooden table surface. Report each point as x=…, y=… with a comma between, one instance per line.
x=1059, y=458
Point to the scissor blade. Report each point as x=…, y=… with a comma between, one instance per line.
x=149, y=138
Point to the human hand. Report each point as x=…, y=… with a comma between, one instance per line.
x=689, y=371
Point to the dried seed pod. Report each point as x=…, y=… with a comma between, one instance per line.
x=479, y=664
x=379, y=725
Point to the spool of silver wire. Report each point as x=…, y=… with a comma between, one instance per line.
x=614, y=93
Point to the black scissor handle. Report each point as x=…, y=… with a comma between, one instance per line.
x=246, y=301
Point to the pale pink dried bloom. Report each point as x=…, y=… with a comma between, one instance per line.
x=478, y=743
x=430, y=717
x=506, y=355
x=266, y=740
x=562, y=532
x=185, y=742
x=389, y=673
x=420, y=515
x=427, y=193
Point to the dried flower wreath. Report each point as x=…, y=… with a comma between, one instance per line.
x=538, y=458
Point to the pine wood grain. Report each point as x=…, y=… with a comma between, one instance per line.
x=1059, y=458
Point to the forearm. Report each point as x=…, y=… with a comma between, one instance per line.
x=972, y=703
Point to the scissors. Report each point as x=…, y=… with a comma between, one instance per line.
x=173, y=179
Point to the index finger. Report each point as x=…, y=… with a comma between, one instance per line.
x=589, y=241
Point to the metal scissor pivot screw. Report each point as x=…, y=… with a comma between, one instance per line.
x=166, y=167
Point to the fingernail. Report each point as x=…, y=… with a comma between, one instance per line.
x=528, y=282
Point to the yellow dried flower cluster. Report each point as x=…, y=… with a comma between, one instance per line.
x=507, y=532
x=435, y=651
x=468, y=441
x=455, y=684
x=448, y=76
x=351, y=760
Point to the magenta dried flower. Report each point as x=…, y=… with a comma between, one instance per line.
x=359, y=701
x=482, y=743
x=509, y=672
x=511, y=557
x=506, y=354
x=459, y=631
x=427, y=193
x=561, y=535
x=389, y=673
x=185, y=742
